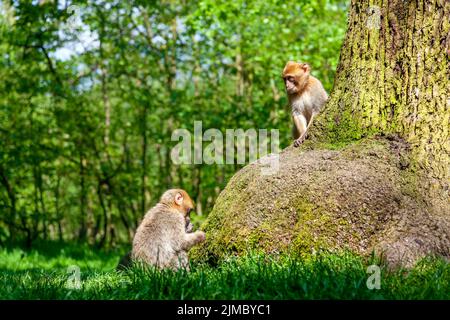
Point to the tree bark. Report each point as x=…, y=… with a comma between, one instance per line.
x=144, y=176
x=82, y=232
x=12, y=199
x=393, y=77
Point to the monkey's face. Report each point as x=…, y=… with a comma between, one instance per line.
x=291, y=84
x=184, y=202
x=179, y=200
x=295, y=76
x=186, y=206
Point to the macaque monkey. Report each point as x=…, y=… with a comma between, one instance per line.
x=306, y=97
x=126, y=261
x=163, y=239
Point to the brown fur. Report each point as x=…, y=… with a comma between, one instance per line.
x=161, y=239
x=306, y=97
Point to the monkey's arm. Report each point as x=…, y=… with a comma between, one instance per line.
x=301, y=126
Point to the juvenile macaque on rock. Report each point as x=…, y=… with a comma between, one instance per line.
x=306, y=97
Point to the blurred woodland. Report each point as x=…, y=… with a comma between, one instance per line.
x=91, y=92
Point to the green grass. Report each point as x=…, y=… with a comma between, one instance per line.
x=42, y=273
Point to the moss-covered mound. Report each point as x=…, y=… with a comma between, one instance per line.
x=362, y=198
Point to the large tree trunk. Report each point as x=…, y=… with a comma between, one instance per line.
x=385, y=185
x=394, y=77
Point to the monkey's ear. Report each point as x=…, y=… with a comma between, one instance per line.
x=305, y=67
x=179, y=199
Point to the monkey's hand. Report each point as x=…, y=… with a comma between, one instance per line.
x=300, y=140
x=201, y=236
x=191, y=239
x=189, y=227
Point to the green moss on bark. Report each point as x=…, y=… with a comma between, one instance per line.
x=359, y=198
x=393, y=78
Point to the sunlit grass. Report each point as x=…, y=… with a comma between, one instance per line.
x=43, y=274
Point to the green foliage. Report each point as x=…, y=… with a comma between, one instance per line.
x=42, y=274
x=89, y=100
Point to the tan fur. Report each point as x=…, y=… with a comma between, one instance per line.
x=161, y=239
x=306, y=97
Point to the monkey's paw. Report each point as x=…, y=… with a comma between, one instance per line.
x=299, y=141
x=201, y=236
x=189, y=228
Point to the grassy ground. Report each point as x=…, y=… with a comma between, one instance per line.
x=42, y=273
